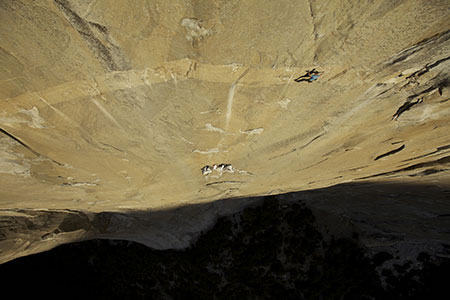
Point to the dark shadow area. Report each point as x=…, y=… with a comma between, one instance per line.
x=332, y=243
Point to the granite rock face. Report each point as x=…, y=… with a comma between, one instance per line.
x=108, y=107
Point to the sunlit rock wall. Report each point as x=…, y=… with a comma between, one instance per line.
x=117, y=105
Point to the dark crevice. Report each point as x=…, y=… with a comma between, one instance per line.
x=298, y=148
x=26, y=146
x=428, y=172
x=226, y=181
x=438, y=149
x=115, y=148
x=19, y=141
x=390, y=152
x=383, y=92
x=439, y=85
x=308, y=143
x=438, y=62
x=420, y=156
x=319, y=162
x=405, y=54
x=79, y=183
x=405, y=107
x=443, y=160
x=443, y=148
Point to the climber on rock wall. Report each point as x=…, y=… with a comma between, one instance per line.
x=313, y=77
x=310, y=76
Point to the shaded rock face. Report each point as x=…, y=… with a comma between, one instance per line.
x=272, y=250
x=110, y=110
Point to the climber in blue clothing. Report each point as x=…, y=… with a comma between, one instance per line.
x=310, y=76
x=313, y=77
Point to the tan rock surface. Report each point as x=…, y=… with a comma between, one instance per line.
x=117, y=105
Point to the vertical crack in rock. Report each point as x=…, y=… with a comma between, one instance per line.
x=110, y=54
x=313, y=17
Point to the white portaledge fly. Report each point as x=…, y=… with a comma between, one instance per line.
x=206, y=170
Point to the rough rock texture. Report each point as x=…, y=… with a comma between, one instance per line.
x=116, y=106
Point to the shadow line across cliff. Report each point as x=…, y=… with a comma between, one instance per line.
x=330, y=242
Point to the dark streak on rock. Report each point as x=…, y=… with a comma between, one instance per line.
x=383, y=92
x=382, y=142
x=433, y=65
x=443, y=160
x=312, y=165
x=78, y=183
x=443, y=148
x=115, y=148
x=439, y=85
x=103, y=53
x=357, y=168
x=390, y=152
x=100, y=50
x=101, y=28
x=428, y=172
x=298, y=148
x=220, y=182
x=438, y=149
x=420, y=156
x=313, y=17
x=403, y=55
x=405, y=107
x=19, y=141
x=26, y=146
